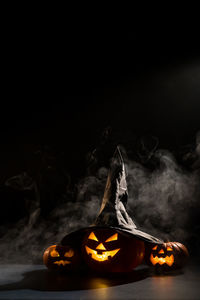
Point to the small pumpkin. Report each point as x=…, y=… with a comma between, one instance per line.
x=110, y=250
x=167, y=256
x=63, y=258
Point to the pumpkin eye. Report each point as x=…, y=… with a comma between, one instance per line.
x=93, y=237
x=161, y=251
x=114, y=237
x=169, y=249
x=154, y=248
x=54, y=253
x=69, y=253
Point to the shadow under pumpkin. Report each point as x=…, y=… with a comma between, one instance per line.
x=45, y=280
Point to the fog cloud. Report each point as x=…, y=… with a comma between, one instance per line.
x=164, y=202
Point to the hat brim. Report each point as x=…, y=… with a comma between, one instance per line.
x=76, y=236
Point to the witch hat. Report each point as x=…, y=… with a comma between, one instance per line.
x=113, y=212
x=113, y=208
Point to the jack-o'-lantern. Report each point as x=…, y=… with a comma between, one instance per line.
x=62, y=258
x=113, y=243
x=167, y=256
x=109, y=250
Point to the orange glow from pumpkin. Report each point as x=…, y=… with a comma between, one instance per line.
x=101, y=247
x=101, y=257
x=70, y=253
x=114, y=237
x=93, y=237
x=154, y=248
x=169, y=249
x=161, y=251
x=54, y=253
x=169, y=260
x=62, y=262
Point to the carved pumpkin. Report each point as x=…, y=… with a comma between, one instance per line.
x=61, y=258
x=109, y=250
x=167, y=256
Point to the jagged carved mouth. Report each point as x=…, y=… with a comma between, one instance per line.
x=62, y=262
x=105, y=255
x=169, y=260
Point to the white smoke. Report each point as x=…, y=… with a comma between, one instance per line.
x=162, y=202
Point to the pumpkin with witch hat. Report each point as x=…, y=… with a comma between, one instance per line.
x=112, y=243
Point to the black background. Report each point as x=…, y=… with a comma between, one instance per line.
x=69, y=87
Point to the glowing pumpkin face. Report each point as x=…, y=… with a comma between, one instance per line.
x=162, y=256
x=167, y=256
x=101, y=254
x=61, y=257
x=108, y=250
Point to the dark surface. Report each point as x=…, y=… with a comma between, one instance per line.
x=72, y=91
x=35, y=282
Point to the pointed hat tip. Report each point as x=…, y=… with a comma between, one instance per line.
x=117, y=167
x=118, y=155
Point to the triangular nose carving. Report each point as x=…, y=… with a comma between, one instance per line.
x=101, y=247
